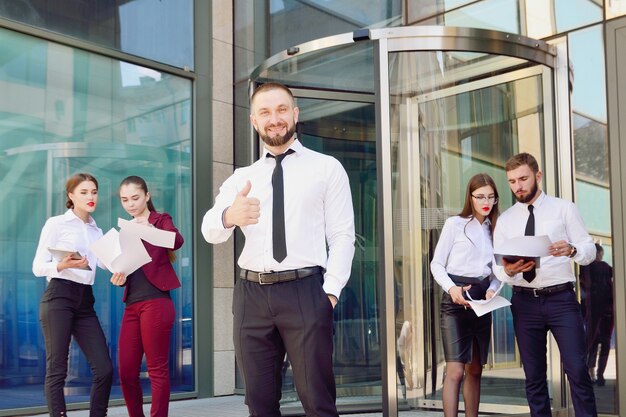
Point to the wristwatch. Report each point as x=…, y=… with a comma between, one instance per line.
x=572, y=250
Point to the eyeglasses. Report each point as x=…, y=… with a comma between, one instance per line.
x=486, y=199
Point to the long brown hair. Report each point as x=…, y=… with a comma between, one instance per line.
x=476, y=182
x=141, y=183
x=73, y=182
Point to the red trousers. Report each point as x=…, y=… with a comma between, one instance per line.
x=146, y=328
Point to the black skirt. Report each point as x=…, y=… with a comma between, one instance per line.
x=460, y=326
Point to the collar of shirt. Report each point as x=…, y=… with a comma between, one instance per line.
x=70, y=216
x=296, y=146
x=536, y=204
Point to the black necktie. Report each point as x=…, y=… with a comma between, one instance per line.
x=279, y=245
x=530, y=231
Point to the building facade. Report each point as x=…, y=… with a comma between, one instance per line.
x=411, y=96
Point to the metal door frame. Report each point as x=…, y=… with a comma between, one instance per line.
x=557, y=147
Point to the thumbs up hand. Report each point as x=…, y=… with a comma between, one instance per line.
x=244, y=210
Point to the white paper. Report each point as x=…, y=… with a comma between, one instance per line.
x=152, y=235
x=482, y=307
x=120, y=251
x=524, y=246
x=494, y=303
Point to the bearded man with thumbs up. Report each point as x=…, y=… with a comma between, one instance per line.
x=294, y=207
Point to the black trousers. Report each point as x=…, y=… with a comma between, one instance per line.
x=66, y=310
x=560, y=314
x=292, y=317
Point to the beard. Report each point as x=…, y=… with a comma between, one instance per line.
x=278, y=140
x=533, y=192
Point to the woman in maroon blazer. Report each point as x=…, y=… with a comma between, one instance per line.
x=149, y=313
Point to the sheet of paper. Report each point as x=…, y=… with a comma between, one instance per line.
x=527, y=247
x=120, y=251
x=152, y=235
x=482, y=307
x=494, y=303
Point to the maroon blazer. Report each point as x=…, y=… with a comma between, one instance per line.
x=159, y=271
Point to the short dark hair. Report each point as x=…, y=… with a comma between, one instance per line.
x=272, y=86
x=520, y=159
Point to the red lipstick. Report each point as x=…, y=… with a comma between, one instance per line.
x=91, y=204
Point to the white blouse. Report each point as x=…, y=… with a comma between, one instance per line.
x=68, y=232
x=464, y=249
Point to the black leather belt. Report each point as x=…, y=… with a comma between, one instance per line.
x=538, y=292
x=279, y=276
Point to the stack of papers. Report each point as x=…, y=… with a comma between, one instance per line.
x=124, y=251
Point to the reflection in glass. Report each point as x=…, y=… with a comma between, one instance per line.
x=453, y=115
x=572, y=14
x=320, y=69
x=481, y=15
x=62, y=111
x=158, y=30
x=586, y=49
x=325, y=18
x=596, y=283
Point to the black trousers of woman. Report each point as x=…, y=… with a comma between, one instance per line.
x=66, y=310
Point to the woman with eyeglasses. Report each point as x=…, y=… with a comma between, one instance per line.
x=462, y=263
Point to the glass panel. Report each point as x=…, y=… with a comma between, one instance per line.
x=323, y=18
x=347, y=131
x=62, y=111
x=586, y=49
x=321, y=69
x=481, y=15
x=571, y=14
x=593, y=199
x=158, y=30
x=452, y=117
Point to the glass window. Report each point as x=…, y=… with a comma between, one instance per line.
x=62, y=111
x=320, y=69
x=481, y=15
x=571, y=14
x=158, y=30
x=453, y=115
x=305, y=21
x=586, y=53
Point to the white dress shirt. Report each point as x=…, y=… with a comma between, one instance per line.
x=465, y=249
x=67, y=232
x=558, y=219
x=318, y=212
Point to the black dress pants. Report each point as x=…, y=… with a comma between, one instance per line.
x=66, y=310
x=292, y=317
x=560, y=314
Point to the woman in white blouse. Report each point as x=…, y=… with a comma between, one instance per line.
x=462, y=263
x=66, y=309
